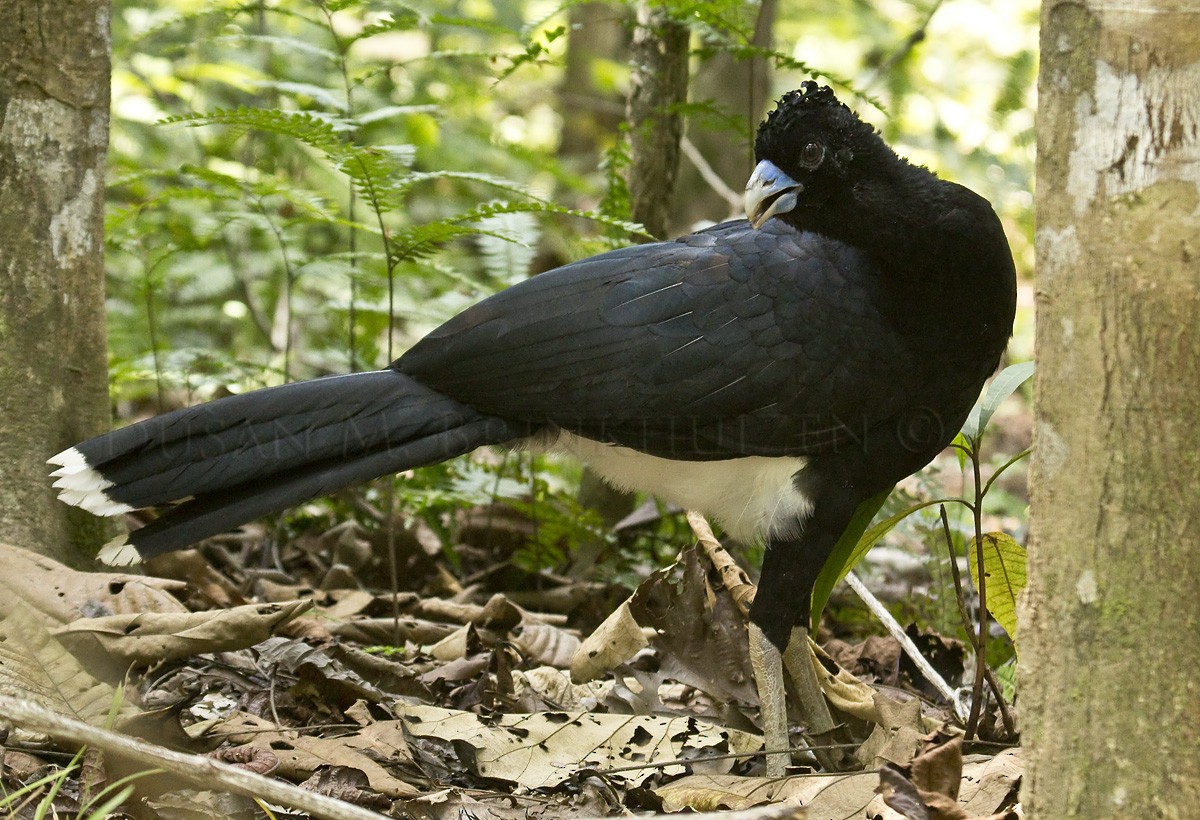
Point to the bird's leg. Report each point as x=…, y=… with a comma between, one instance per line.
x=799, y=660
x=767, y=665
x=780, y=616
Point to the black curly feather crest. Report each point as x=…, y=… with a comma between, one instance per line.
x=801, y=113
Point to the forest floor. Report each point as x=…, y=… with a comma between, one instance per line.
x=481, y=690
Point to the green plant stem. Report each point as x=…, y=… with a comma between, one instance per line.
x=1005, y=466
x=981, y=641
x=961, y=599
x=288, y=284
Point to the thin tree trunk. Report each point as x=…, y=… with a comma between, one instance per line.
x=590, y=113
x=54, y=80
x=658, y=87
x=1111, y=623
x=740, y=87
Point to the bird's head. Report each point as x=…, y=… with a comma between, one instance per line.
x=806, y=152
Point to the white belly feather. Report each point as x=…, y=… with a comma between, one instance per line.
x=752, y=497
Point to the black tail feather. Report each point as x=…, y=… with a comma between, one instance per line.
x=241, y=457
x=215, y=512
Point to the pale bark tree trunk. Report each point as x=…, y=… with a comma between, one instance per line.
x=1111, y=623
x=54, y=80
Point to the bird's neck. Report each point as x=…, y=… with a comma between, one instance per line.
x=947, y=270
x=892, y=214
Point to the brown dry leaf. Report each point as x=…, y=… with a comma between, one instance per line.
x=876, y=656
x=460, y=643
x=61, y=594
x=33, y=666
x=301, y=755
x=824, y=796
x=457, y=804
x=499, y=613
x=348, y=785
x=380, y=671
x=615, y=641
x=189, y=804
x=686, y=612
x=843, y=690
x=371, y=631
x=152, y=637
x=699, y=628
x=315, y=664
x=346, y=604
x=546, y=748
x=545, y=643
x=897, y=735
x=205, y=586
x=546, y=688
x=901, y=796
x=563, y=599
x=938, y=770
x=984, y=786
x=733, y=577
x=987, y=782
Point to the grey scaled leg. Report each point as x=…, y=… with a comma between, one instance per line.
x=767, y=665
x=799, y=661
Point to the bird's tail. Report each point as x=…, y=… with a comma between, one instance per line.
x=235, y=459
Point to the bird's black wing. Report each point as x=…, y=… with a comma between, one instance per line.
x=724, y=343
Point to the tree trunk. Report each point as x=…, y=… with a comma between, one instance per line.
x=1111, y=621
x=54, y=81
x=590, y=113
x=658, y=87
x=740, y=87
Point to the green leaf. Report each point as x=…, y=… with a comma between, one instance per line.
x=844, y=552
x=1003, y=577
x=855, y=542
x=1003, y=386
x=1006, y=676
x=961, y=445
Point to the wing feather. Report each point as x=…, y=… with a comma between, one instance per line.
x=725, y=343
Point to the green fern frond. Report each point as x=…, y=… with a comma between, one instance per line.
x=330, y=98
x=507, y=245
x=293, y=46
x=306, y=127
x=473, y=176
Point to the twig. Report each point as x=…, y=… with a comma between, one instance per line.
x=910, y=42
x=896, y=631
x=201, y=771
x=710, y=176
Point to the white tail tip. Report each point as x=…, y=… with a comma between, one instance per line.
x=119, y=553
x=81, y=485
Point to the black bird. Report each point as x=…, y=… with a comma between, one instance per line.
x=773, y=373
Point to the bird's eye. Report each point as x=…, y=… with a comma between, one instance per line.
x=812, y=154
